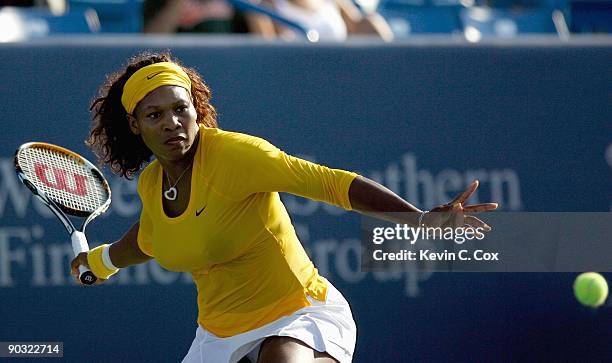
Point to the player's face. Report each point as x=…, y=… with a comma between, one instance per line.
x=166, y=121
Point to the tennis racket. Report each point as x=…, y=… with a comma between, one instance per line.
x=69, y=185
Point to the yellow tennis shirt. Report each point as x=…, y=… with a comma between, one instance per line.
x=235, y=237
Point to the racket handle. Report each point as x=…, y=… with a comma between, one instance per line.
x=79, y=244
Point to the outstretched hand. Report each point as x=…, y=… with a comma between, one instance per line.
x=455, y=214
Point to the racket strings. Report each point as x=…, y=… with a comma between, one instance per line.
x=68, y=180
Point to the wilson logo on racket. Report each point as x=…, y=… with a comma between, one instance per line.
x=60, y=181
x=68, y=184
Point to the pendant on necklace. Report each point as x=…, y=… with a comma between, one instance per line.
x=170, y=194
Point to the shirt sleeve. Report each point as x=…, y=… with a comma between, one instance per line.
x=254, y=165
x=145, y=227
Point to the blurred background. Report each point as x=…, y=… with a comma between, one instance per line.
x=420, y=95
x=316, y=20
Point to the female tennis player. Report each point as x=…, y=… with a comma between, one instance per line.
x=211, y=207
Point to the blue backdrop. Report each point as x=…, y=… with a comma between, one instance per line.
x=532, y=121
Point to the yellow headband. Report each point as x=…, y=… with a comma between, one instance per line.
x=148, y=78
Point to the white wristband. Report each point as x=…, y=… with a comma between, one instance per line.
x=420, y=218
x=106, y=259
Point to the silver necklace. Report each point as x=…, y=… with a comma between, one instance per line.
x=171, y=193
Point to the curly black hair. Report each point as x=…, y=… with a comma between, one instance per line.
x=110, y=137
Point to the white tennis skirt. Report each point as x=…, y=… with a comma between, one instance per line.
x=325, y=326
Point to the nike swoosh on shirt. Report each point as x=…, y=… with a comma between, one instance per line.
x=198, y=212
x=154, y=74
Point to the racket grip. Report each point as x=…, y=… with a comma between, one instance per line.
x=79, y=244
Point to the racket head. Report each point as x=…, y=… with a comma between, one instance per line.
x=73, y=183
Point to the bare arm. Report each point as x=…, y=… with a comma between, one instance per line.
x=125, y=252
x=358, y=23
x=370, y=198
x=261, y=25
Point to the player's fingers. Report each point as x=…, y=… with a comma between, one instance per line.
x=80, y=259
x=482, y=207
x=476, y=223
x=74, y=266
x=457, y=216
x=466, y=193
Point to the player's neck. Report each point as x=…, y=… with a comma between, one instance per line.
x=175, y=168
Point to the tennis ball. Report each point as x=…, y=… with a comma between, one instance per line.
x=591, y=289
